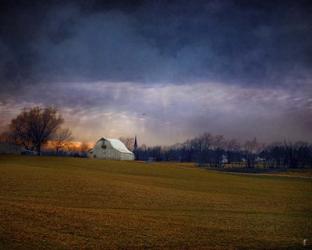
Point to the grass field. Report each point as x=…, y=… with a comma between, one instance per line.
x=66, y=203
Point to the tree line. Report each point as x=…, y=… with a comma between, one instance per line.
x=217, y=151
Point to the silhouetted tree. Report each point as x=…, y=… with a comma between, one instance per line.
x=61, y=138
x=129, y=142
x=34, y=127
x=251, y=148
x=84, y=147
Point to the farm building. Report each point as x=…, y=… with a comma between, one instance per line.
x=112, y=149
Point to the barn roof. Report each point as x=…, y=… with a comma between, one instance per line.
x=118, y=145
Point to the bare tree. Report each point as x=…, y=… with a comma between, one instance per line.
x=129, y=142
x=233, y=148
x=219, y=142
x=233, y=145
x=71, y=147
x=61, y=138
x=251, y=147
x=84, y=147
x=34, y=127
x=7, y=137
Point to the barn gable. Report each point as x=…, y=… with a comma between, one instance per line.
x=112, y=149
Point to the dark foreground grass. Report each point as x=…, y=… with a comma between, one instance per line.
x=65, y=203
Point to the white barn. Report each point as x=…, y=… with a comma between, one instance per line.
x=112, y=149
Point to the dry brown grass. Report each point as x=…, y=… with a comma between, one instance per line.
x=66, y=203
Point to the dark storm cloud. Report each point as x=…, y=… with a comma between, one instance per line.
x=170, y=69
x=247, y=42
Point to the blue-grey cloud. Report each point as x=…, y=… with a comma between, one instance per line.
x=240, y=68
x=242, y=42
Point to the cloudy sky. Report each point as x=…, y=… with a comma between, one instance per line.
x=163, y=70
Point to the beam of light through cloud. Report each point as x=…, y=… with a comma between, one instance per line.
x=168, y=113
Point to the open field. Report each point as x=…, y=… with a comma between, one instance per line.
x=296, y=173
x=67, y=203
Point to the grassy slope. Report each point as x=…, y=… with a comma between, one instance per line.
x=80, y=203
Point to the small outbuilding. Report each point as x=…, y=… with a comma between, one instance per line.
x=111, y=149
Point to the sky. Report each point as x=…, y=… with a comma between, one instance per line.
x=165, y=71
